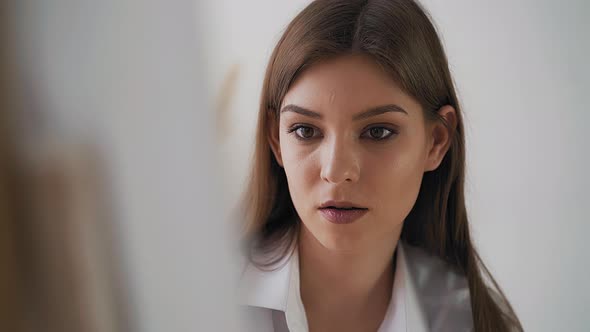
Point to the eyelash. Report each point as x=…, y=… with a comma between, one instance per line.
x=293, y=130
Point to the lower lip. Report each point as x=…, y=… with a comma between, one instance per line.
x=337, y=216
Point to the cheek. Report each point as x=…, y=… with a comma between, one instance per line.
x=302, y=170
x=395, y=178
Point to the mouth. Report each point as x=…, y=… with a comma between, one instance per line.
x=341, y=206
x=342, y=212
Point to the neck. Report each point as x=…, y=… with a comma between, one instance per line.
x=341, y=285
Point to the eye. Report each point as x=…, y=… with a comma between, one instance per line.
x=378, y=133
x=303, y=132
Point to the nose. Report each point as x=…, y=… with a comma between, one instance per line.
x=340, y=162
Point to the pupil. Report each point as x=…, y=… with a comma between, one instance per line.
x=376, y=132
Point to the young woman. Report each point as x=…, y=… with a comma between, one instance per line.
x=355, y=210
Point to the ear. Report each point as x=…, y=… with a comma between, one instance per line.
x=440, y=137
x=273, y=136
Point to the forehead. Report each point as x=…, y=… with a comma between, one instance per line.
x=347, y=84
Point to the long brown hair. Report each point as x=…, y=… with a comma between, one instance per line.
x=400, y=37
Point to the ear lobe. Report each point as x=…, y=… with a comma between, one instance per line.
x=273, y=136
x=441, y=137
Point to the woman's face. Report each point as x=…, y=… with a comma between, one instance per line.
x=348, y=136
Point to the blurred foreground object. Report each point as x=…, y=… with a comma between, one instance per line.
x=56, y=255
x=112, y=212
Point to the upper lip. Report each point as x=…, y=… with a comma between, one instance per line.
x=340, y=204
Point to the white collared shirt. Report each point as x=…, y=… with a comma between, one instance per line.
x=427, y=295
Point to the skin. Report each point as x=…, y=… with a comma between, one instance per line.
x=375, y=162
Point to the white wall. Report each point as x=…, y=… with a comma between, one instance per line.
x=522, y=75
x=522, y=72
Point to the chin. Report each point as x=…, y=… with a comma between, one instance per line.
x=337, y=237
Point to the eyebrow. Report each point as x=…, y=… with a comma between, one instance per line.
x=373, y=111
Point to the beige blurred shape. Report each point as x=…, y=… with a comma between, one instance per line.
x=225, y=96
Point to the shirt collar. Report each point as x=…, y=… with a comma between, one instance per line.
x=425, y=293
x=267, y=288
